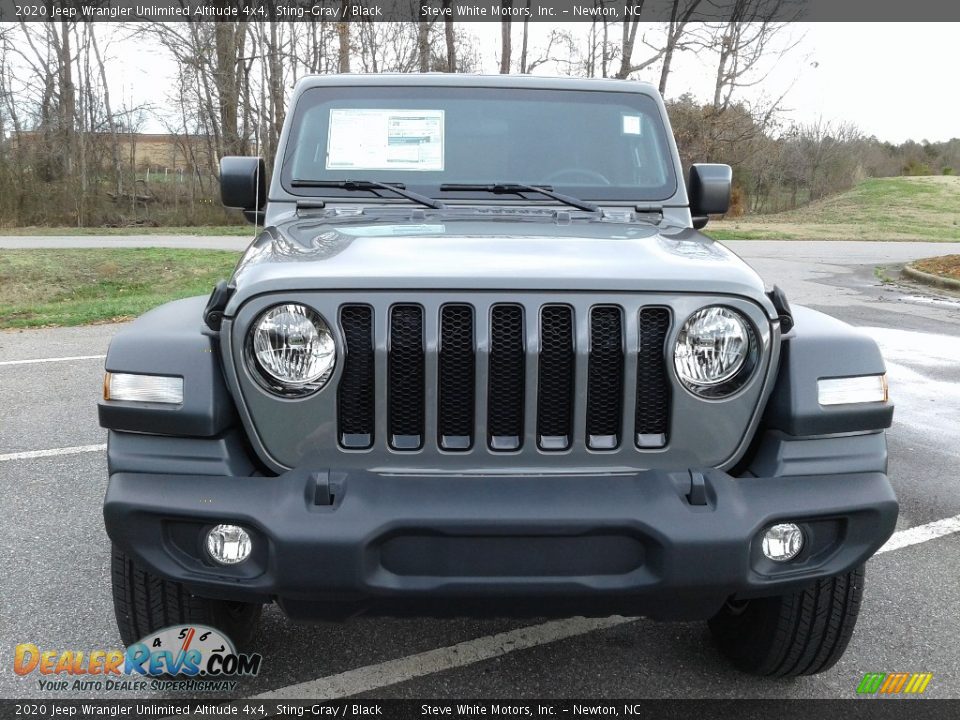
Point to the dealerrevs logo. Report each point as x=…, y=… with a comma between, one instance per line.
x=194, y=657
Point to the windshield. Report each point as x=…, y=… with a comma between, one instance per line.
x=593, y=145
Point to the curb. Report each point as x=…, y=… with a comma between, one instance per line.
x=929, y=279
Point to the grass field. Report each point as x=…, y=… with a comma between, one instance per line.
x=205, y=230
x=40, y=288
x=902, y=208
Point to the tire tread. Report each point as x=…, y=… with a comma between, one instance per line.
x=809, y=629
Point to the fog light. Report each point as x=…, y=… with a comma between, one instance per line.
x=782, y=542
x=229, y=544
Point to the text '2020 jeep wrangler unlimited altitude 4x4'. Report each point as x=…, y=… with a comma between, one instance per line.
x=480, y=361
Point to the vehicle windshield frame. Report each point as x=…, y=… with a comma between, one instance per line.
x=384, y=96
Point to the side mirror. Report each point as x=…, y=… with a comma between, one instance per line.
x=709, y=190
x=243, y=184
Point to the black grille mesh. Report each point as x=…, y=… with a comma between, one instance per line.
x=456, y=378
x=605, y=378
x=356, y=391
x=457, y=370
x=653, y=386
x=506, y=374
x=555, y=381
x=406, y=382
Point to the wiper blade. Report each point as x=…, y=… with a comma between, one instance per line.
x=519, y=189
x=398, y=188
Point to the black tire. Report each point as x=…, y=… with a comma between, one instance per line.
x=789, y=635
x=145, y=603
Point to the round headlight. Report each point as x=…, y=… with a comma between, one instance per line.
x=292, y=349
x=715, y=352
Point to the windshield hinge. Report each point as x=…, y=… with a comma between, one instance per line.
x=310, y=205
x=651, y=208
x=780, y=304
x=213, y=313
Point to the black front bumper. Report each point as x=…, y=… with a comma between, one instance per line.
x=494, y=545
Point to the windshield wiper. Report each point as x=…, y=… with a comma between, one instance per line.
x=398, y=188
x=519, y=189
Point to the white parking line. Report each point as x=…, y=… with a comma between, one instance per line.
x=52, y=360
x=372, y=677
x=922, y=534
x=51, y=453
x=391, y=672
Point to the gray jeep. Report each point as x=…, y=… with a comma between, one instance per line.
x=480, y=362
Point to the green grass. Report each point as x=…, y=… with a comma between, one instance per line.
x=901, y=208
x=43, y=288
x=205, y=230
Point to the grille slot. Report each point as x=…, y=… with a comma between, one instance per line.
x=555, y=379
x=457, y=375
x=405, y=369
x=605, y=378
x=355, y=396
x=652, y=421
x=506, y=378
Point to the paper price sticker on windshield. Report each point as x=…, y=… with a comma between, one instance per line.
x=374, y=139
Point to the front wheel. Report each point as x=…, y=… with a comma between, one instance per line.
x=145, y=603
x=789, y=635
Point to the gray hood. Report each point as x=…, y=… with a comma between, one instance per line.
x=494, y=254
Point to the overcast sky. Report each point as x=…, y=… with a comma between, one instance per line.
x=897, y=81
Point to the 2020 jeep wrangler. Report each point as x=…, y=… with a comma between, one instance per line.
x=480, y=361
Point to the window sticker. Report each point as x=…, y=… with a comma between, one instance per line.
x=375, y=139
x=631, y=124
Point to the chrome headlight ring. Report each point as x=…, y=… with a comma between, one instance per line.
x=716, y=352
x=290, y=350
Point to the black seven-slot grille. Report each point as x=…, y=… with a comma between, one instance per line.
x=501, y=416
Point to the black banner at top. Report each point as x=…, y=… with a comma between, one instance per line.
x=586, y=11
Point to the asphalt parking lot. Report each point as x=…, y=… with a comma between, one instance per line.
x=55, y=589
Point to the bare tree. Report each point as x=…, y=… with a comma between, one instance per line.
x=506, y=45
x=423, y=44
x=742, y=43
x=629, y=42
x=343, y=37
x=680, y=13
x=449, y=36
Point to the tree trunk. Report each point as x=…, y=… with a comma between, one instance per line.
x=526, y=35
x=626, y=52
x=277, y=105
x=68, y=101
x=228, y=40
x=423, y=45
x=505, y=41
x=111, y=121
x=448, y=33
x=343, y=35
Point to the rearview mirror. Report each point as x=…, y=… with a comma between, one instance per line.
x=243, y=184
x=709, y=190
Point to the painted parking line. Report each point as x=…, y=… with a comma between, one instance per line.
x=30, y=454
x=52, y=360
x=922, y=534
x=372, y=677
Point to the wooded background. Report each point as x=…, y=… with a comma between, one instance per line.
x=72, y=154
